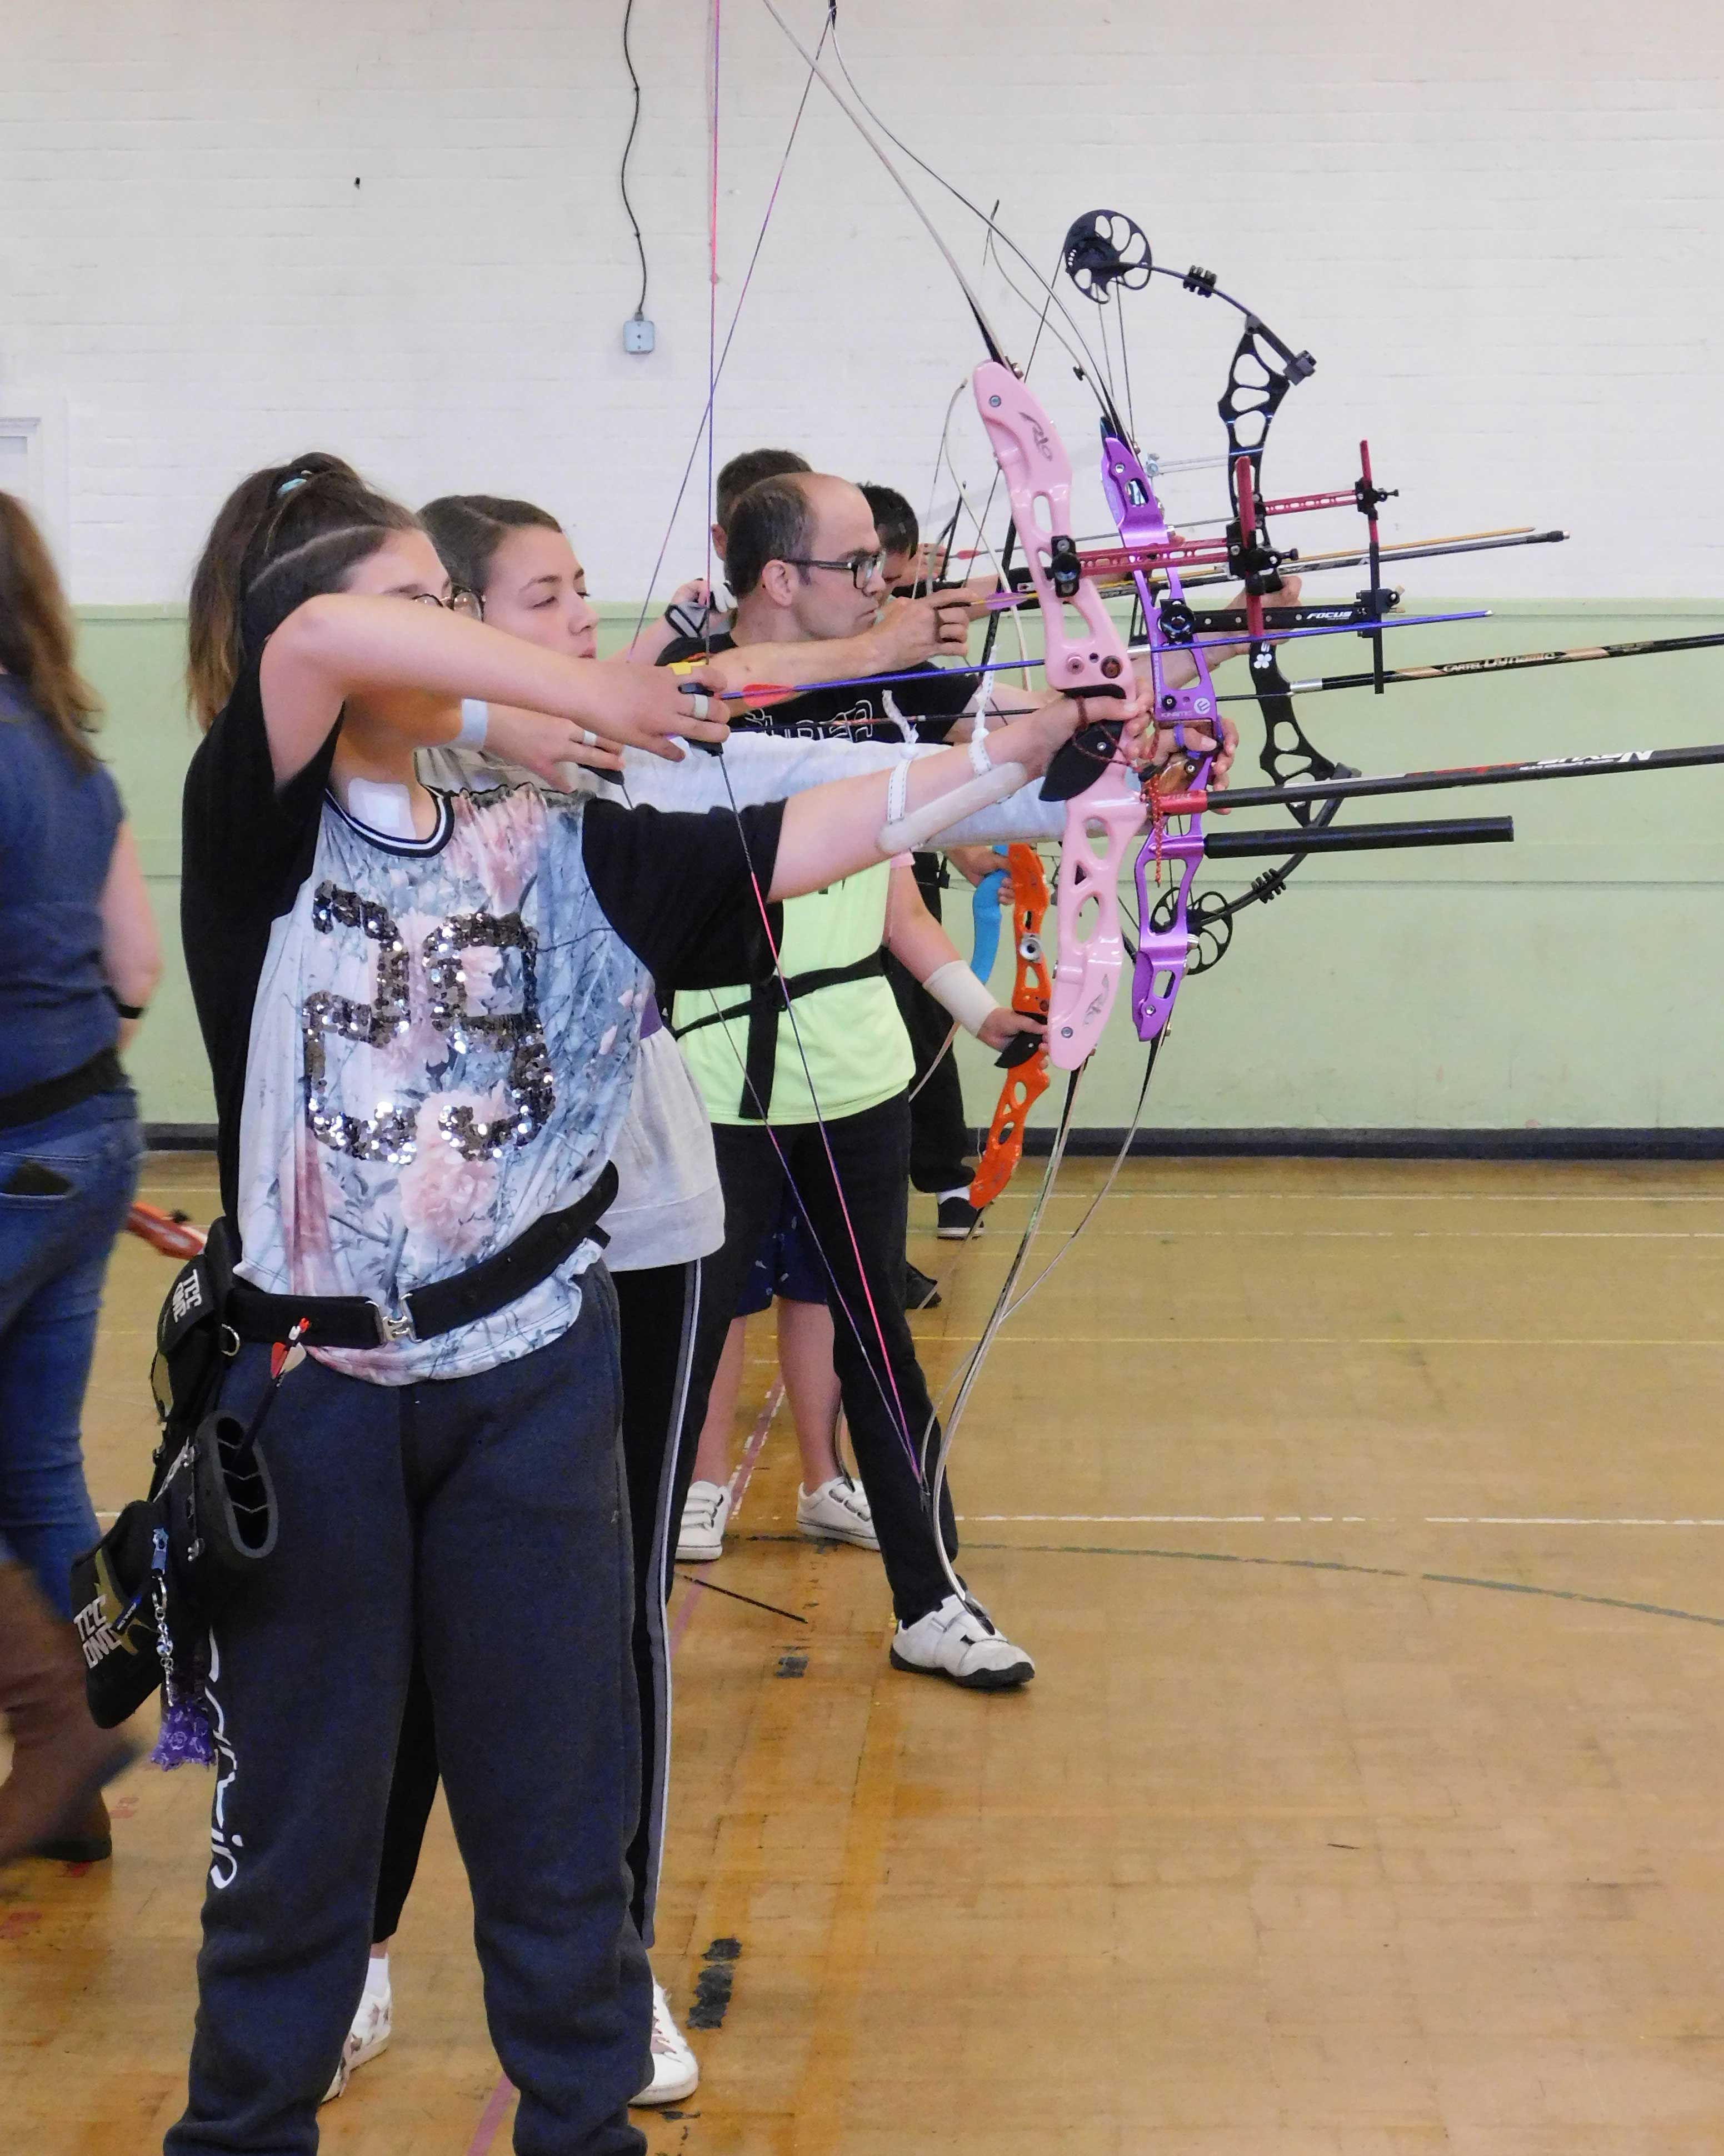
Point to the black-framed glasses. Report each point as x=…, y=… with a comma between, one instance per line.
x=460, y=601
x=861, y=569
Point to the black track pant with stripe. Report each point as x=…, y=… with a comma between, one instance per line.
x=882, y=1397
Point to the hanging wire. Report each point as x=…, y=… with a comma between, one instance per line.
x=893, y=1404
x=622, y=169
x=703, y=426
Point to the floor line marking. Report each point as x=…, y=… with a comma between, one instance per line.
x=1371, y=1571
x=738, y=1488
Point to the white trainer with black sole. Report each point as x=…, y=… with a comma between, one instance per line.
x=676, y=2071
x=705, y=1510
x=958, y=1642
x=372, y=2025
x=837, y=1511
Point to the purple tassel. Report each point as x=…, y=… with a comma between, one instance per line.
x=185, y=1737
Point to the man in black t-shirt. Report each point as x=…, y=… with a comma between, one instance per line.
x=939, y=1133
x=827, y=603
x=805, y=563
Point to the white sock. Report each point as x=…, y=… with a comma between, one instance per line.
x=963, y=1191
x=377, y=1976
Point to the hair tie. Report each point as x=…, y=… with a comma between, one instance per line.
x=292, y=480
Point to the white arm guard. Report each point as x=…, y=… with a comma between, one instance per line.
x=955, y=987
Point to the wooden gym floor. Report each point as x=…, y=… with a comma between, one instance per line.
x=1365, y=1520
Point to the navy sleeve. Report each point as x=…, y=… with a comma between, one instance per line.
x=686, y=892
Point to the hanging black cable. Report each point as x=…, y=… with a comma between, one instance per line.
x=623, y=169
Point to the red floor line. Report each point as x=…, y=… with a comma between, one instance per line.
x=496, y=2108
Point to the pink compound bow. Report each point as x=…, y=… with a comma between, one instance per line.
x=1102, y=819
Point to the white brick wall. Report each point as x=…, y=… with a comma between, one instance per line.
x=1497, y=226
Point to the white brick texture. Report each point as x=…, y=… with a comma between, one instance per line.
x=234, y=228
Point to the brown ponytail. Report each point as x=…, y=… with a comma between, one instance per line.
x=287, y=532
x=36, y=639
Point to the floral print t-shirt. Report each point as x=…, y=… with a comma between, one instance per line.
x=422, y=1046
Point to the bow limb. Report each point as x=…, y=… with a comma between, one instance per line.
x=1027, y=1080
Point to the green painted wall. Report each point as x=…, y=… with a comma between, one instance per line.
x=1568, y=980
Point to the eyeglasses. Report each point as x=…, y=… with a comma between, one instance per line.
x=460, y=601
x=861, y=569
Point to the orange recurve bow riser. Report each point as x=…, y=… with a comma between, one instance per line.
x=1027, y=1082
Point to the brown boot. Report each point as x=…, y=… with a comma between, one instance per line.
x=87, y=1838
x=60, y=1759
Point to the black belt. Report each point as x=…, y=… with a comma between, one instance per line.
x=354, y=1321
x=34, y=1104
x=765, y=1007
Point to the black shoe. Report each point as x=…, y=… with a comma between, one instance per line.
x=920, y=1291
x=959, y=1221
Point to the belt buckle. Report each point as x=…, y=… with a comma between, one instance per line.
x=391, y=1328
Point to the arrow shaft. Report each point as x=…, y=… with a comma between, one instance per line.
x=1509, y=662
x=1421, y=550
x=1616, y=761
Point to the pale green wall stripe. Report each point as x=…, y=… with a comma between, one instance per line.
x=1567, y=980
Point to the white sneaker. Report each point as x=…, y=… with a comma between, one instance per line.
x=837, y=1512
x=371, y=2031
x=676, y=2071
x=705, y=1510
x=957, y=1642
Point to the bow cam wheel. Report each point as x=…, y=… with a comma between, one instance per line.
x=1105, y=247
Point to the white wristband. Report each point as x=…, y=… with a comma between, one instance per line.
x=475, y=722
x=955, y=987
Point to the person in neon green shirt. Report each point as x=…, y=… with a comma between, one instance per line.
x=816, y=1097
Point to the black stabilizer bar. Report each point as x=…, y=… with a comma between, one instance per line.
x=1359, y=838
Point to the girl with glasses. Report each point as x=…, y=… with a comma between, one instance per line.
x=423, y=1013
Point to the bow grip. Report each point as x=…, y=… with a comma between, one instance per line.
x=1087, y=972
x=1037, y=475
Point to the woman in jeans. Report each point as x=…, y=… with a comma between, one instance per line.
x=78, y=958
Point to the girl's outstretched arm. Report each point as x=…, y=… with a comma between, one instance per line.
x=408, y=667
x=831, y=831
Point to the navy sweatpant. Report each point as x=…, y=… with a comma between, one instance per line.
x=487, y=1516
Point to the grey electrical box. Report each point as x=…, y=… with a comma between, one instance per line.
x=637, y=334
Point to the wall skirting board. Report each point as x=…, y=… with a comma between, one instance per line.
x=1093, y=1143
x=1392, y=1144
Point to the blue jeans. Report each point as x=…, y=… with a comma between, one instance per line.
x=55, y=1243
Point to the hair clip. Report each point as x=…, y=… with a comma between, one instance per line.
x=292, y=480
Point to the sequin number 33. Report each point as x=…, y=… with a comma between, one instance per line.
x=389, y=1133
